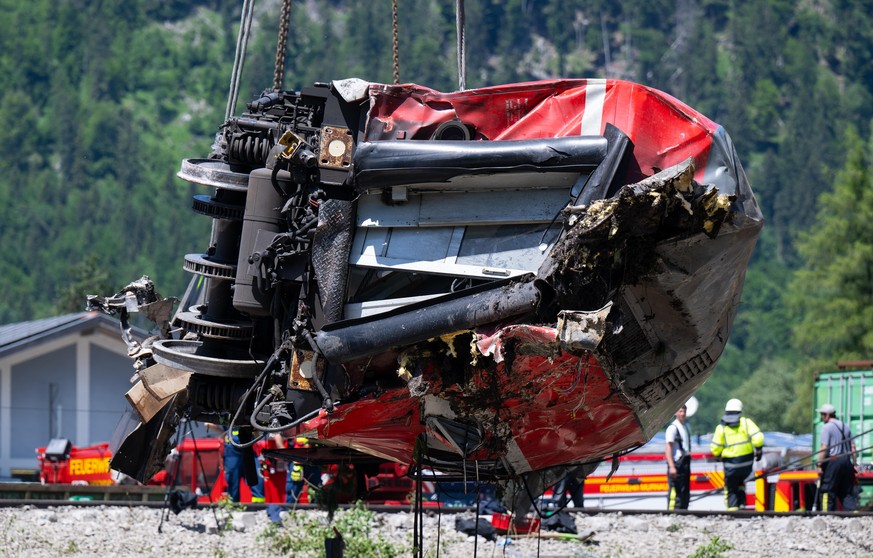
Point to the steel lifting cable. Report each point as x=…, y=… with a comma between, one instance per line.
x=395, y=41
x=281, y=47
x=462, y=45
x=242, y=41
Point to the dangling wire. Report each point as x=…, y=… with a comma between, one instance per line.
x=462, y=46
x=279, y=72
x=395, y=41
x=242, y=41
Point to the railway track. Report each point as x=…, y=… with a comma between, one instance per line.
x=56, y=495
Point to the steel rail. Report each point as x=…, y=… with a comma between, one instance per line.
x=47, y=502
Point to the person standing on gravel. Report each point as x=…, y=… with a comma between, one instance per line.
x=678, y=454
x=836, y=462
x=738, y=442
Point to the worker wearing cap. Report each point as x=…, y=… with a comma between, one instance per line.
x=738, y=442
x=678, y=454
x=836, y=462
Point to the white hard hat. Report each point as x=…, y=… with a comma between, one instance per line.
x=691, y=407
x=734, y=406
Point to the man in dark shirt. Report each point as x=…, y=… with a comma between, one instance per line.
x=836, y=462
x=678, y=455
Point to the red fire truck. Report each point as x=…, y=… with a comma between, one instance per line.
x=197, y=464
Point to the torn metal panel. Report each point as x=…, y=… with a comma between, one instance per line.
x=139, y=448
x=582, y=331
x=162, y=381
x=144, y=402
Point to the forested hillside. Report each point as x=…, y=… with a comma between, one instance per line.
x=99, y=102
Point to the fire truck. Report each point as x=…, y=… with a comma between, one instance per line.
x=640, y=482
x=197, y=465
x=62, y=463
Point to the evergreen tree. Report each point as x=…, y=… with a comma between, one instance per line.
x=771, y=407
x=831, y=295
x=87, y=277
x=100, y=102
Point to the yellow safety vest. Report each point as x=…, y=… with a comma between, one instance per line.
x=297, y=472
x=736, y=441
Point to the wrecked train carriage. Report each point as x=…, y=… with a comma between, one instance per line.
x=509, y=280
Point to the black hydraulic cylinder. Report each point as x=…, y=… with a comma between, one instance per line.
x=382, y=164
x=349, y=340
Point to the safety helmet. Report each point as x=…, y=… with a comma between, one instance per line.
x=734, y=406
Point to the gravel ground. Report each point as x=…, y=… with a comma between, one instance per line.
x=134, y=532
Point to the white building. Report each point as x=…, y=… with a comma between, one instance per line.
x=61, y=377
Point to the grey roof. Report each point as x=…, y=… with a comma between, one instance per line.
x=21, y=335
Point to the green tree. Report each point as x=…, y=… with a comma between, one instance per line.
x=771, y=408
x=851, y=39
x=831, y=294
x=100, y=101
x=88, y=276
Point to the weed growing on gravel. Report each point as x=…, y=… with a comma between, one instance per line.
x=226, y=508
x=715, y=548
x=303, y=535
x=674, y=527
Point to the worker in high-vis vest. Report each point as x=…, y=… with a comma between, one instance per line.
x=300, y=476
x=738, y=442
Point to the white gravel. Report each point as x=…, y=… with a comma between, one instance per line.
x=133, y=532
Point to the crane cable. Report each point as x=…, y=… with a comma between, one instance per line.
x=395, y=41
x=462, y=45
x=281, y=47
x=242, y=41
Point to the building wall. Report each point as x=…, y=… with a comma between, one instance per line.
x=30, y=410
x=110, y=380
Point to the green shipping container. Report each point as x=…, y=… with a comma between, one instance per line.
x=851, y=393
